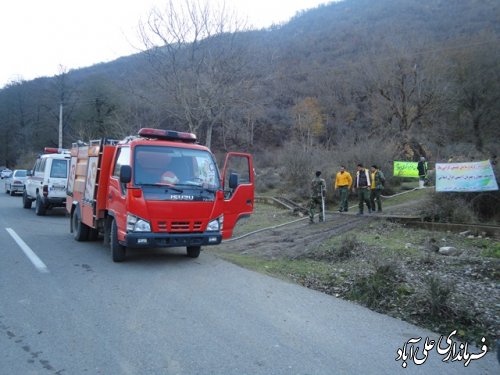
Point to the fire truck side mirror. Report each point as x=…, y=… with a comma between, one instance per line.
x=125, y=174
x=233, y=181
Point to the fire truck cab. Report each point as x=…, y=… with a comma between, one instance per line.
x=160, y=189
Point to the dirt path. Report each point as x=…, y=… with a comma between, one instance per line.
x=294, y=240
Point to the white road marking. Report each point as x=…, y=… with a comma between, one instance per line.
x=37, y=262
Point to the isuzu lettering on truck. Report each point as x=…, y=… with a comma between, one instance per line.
x=159, y=189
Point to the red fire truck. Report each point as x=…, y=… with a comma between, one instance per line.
x=157, y=189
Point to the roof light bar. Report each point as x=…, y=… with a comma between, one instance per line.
x=55, y=150
x=168, y=135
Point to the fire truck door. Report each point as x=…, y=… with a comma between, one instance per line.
x=117, y=192
x=238, y=185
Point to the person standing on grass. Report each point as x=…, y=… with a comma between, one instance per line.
x=377, y=185
x=362, y=185
x=343, y=182
x=422, y=172
x=318, y=193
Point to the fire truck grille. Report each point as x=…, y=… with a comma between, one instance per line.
x=179, y=226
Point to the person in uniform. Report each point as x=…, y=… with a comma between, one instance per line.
x=422, y=172
x=343, y=183
x=318, y=193
x=362, y=185
x=377, y=185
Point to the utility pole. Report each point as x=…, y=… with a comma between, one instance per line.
x=60, y=144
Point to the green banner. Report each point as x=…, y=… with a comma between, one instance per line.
x=405, y=169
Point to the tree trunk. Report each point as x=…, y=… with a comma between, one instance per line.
x=476, y=122
x=208, y=139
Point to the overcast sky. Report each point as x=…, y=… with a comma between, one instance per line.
x=37, y=36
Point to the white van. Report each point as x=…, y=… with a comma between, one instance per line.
x=46, y=182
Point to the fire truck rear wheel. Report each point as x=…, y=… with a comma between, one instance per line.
x=26, y=201
x=117, y=250
x=39, y=207
x=193, y=251
x=80, y=230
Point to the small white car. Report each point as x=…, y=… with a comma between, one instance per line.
x=46, y=182
x=5, y=173
x=15, y=183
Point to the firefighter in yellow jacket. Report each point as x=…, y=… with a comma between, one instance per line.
x=343, y=183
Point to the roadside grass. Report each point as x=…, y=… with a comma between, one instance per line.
x=490, y=248
x=387, y=268
x=264, y=216
x=283, y=268
x=391, y=269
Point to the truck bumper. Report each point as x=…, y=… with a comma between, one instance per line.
x=17, y=188
x=146, y=240
x=54, y=202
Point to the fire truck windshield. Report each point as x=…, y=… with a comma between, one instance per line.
x=176, y=168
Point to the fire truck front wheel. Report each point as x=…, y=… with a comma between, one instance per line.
x=80, y=230
x=193, y=251
x=117, y=250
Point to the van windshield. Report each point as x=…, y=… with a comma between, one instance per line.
x=175, y=166
x=59, y=168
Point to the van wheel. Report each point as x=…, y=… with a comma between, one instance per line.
x=117, y=250
x=80, y=230
x=26, y=201
x=40, y=209
x=193, y=251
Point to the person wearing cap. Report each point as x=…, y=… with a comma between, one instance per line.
x=318, y=193
x=377, y=185
x=362, y=185
x=422, y=172
x=343, y=183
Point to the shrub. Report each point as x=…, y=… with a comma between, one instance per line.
x=379, y=289
x=345, y=250
x=464, y=207
x=437, y=297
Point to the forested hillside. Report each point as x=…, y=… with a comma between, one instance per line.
x=356, y=80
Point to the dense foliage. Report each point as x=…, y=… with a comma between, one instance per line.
x=404, y=77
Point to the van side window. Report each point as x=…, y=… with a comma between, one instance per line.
x=41, y=166
x=35, y=167
x=123, y=158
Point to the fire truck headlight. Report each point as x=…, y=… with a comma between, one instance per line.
x=136, y=224
x=215, y=225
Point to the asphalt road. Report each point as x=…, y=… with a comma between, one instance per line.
x=74, y=311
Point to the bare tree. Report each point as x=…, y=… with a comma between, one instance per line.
x=308, y=122
x=196, y=58
x=405, y=96
x=477, y=75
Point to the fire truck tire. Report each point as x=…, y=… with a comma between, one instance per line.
x=39, y=207
x=193, y=251
x=117, y=250
x=80, y=230
x=93, y=234
x=26, y=201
